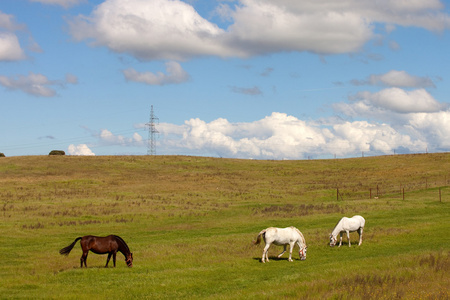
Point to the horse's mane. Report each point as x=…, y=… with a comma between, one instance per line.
x=123, y=243
x=301, y=234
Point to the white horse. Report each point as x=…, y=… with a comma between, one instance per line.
x=282, y=237
x=355, y=223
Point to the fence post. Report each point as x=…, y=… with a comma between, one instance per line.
x=403, y=194
x=337, y=194
x=440, y=199
x=370, y=193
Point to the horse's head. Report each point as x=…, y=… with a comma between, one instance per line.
x=333, y=240
x=129, y=260
x=302, y=253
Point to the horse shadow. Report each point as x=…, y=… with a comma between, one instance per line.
x=275, y=258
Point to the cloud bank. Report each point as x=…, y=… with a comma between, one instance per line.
x=282, y=136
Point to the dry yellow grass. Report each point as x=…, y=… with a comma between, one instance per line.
x=190, y=222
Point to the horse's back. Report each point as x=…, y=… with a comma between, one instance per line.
x=361, y=220
x=99, y=244
x=281, y=236
x=353, y=223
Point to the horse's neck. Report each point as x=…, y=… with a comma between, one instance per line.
x=123, y=247
x=302, y=238
x=337, y=228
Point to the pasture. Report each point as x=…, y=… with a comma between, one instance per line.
x=190, y=223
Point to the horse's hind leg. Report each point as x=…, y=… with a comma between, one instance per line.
x=83, y=259
x=279, y=255
x=264, y=255
x=360, y=231
x=107, y=260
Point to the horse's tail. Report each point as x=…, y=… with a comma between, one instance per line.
x=66, y=250
x=258, y=239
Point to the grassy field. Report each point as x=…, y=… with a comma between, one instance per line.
x=190, y=222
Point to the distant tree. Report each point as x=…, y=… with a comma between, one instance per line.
x=2, y=154
x=57, y=152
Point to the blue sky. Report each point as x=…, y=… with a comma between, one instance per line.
x=266, y=79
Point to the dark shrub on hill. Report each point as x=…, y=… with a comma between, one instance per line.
x=57, y=152
x=2, y=154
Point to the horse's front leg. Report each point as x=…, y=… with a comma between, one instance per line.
x=107, y=260
x=348, y=238
x=340, y=239
x=114, y=259
x=360, y=236
x=264, y=255
x=282, y=252
x=290, y=251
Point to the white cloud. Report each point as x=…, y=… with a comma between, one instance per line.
x=252, y=91
x=158, y=29
x=137, y=137
x=175, y=74
x=401, y=101
x=396, y=78
x=8, y=23
x=34, y=84
x=72, y=79
x=109, y=138
x=379, y=138
x=81, y=149
x=434, y=127
x=270, y=26
x=173, y=30
x=10, y=49
x=63, y=3
x=426, y=14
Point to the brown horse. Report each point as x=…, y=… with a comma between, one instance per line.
x=101, y=245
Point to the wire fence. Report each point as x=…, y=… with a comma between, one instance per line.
x=436, y=188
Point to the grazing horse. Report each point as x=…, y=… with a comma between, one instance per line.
x=355, y=223
x=101, y=245
x=282, y=237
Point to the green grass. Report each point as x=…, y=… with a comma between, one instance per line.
x=190, y=221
